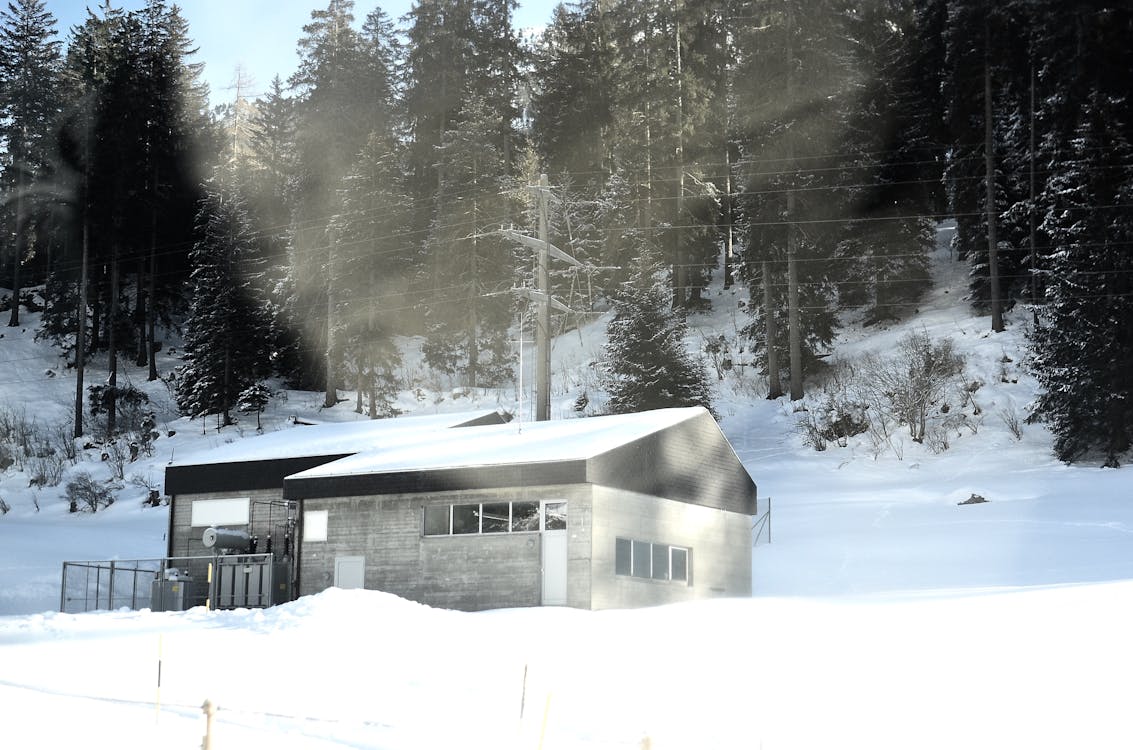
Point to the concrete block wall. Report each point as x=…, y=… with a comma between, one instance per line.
x=186, y=540
x=720, y=544
x=468, y=572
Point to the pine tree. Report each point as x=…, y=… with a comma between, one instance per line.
x=461, y=57
x=345, y=89
x=29, y=108
x=573, y=88
x=648, y=366
x=1083, y=344
x=223, y=353
x=883, y=248
x=472, y=268
x=375, y=267
x=792, y=75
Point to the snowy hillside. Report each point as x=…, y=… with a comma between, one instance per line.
x=885, y=614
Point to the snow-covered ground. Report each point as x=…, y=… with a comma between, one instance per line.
x=885, y=614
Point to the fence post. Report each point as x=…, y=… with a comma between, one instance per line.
x=210, y=711
x=110, y=591
x=769, y=520
x=63, y=591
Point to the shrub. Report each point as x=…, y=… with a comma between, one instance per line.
x=838, y=411
x=87, y=495
x=914, y=378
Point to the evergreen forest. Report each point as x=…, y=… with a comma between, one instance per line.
x=806, y=150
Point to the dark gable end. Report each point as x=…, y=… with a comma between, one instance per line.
x=690, y=461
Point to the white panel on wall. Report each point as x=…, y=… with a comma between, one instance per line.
x=226, y=512
x=315, y=525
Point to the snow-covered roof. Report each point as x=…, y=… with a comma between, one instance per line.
x=679, y=454
x=506, y=444
x=331, y=439
x=261, y=463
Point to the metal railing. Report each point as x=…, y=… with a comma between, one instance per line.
x=763, y=523
x=168, y=583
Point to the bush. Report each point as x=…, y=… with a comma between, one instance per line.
x=87, y=495
x=839, y=410
x=914, y=379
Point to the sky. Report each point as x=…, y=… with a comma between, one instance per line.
x=259, y=36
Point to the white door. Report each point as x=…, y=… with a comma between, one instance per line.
x=350, y=572
x=554, y=537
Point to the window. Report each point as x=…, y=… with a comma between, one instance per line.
x=315, y=525
x=227, y=512
x=466, y=519
x=437, y=518
x=623, y=559
x=556, y=517
x=660, y=562
x=492, y=518
x=495, y=518
x=678, y=564
x=525, y=516
x=641, y=560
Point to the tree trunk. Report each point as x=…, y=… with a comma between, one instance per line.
x=81, y=321
x=226, y=387
x=473, y=317
x=680, y=266
x=729, y=250
x=94, y=341
x=17, y=253
x=331, y=397
x=774, y=387
x=151, y=298
x=140, y=305
x=112, y=346
x=359, y=381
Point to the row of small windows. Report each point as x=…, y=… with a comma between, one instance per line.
x=660, y=562
x=493, y=518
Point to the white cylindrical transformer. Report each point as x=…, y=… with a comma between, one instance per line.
x=229, y=539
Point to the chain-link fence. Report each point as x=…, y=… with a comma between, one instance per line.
x=175, y=583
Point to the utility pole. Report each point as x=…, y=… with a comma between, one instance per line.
x=794, y=332
x=542, y=297
x=989, y=166
x=543, y=321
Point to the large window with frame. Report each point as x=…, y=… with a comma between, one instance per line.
x=659, y=562
x=490, y=518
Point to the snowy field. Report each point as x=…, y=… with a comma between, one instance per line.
x=885, y=614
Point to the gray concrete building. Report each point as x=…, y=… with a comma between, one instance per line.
x=615, y=511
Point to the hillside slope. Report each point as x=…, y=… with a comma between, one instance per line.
x=847, y=520
x=885, y=615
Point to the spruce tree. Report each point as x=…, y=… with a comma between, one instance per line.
x=648, y=365
x=791, y=77
x=224, y=351
x=373, y=259
x=29, y=109
x=1084, y=340
x=472, y=268
x=883, y=250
